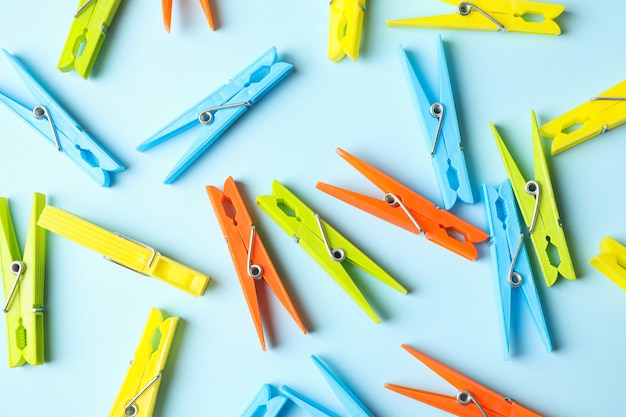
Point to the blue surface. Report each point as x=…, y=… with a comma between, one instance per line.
x=145, y=77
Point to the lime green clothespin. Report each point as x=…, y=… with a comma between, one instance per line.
x=538, y=206
x=23, y=286
x=87, y=33
x=323, y=243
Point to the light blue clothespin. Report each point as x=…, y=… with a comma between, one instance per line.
x=60, y=129
x=440, y=125
x=220, y=109
x=267, y=403
x=348, y=399
x=512, y=268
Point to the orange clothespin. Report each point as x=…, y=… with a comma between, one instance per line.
x=409, y=210
x=167, y=13
x=472, y=400
x=248, y=252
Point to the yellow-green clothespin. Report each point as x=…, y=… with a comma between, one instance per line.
x=538, y=206
x=87, y=33
x=23, y=285
x=323, y=243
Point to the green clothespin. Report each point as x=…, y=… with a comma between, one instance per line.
x=23, y=285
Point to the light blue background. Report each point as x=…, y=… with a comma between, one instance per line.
x=96, y=310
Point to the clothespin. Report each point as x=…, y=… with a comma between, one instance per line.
x=493, y=15
x=167, y=13
x=346, y=24
x=90, y=26
x=60, y=129
x=537, y=204
x=352, y=404
x=249, y=255
x=600, y=114
x=220, y=109
x=472, y=399
x=441, y=131
x=513, y=273
x=409, y=210
x=267, y=403
x=611, y=261
x=140, y=388
x=23, y=286
x=123, y=251
x=323, y=243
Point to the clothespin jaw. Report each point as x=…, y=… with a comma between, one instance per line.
x=348, y=399
x=598, y=115
x=441, y=130
x=248, y=253
x=140, y=388
x=537, y=204
x=60, y=129
x=267, y=403
x=123, y=251
x=323, y=243
x=510, y=261
x=611, y=261
x=472, y=399
x=87, y=33
x=220, y=109
x=407, y=209
x=346, y=24
x=166, y=6
x=23, y=286
x=493, y=15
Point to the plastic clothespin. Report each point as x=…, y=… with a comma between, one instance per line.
x=249, y=255
x=513, y=273
x=140, y=388
x=600, y=114
x=538, y=207
x=90, y=26
x=60, y=129
x=23, y=286
x=123, y=251
x=220, y=109
x=346, y=24
x=323, y=243
x=352, y=404
x=493, y=15
x=611, y=261
x=267, y=403
x=441, y=131
x=167, y=13
x=409, y=210
x=472, y=399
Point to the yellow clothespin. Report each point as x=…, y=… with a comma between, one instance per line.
x=139, y=391
x=611, y=261
x=493, y=15
x=23, y=285
x=346, y=23
x=601, y=113
x=123, y=251
x=89, y=28
x=537, y=204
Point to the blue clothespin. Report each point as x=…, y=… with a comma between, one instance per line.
x=510, y=260
x=441, y=127
x=348, y=399
x=267, y=403
x=220, y=109
x=60, y=129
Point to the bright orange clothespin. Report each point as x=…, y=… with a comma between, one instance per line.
x=249, y=255
x=167, y=13
x=472, y=400
x=407, y=209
